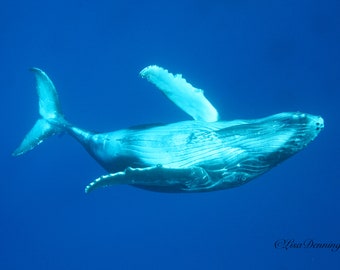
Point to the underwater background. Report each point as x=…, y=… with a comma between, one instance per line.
x=252, y=58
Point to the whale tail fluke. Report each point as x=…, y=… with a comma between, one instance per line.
x=52, y=120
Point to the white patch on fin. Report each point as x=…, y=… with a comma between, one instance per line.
x=190, y=99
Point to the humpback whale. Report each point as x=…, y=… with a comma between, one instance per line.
x=203, y=154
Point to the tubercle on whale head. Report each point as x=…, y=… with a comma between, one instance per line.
x=310, y=124
x=304, y=129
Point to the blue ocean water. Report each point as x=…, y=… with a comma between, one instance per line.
x=252, y=58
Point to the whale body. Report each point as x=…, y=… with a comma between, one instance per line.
x=204, y=154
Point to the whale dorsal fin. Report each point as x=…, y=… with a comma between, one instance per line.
x=188, y=98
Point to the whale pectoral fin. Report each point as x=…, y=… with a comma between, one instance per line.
x=105, y=180
x=188, y=98
x=192, y=179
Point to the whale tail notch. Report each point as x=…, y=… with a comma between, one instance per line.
x=52, y=120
